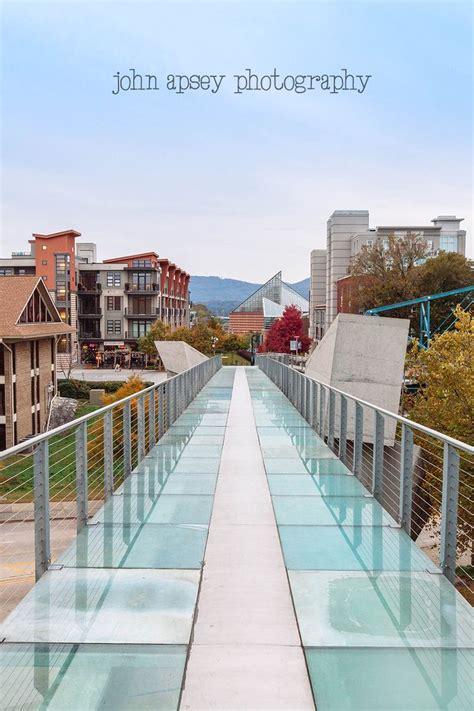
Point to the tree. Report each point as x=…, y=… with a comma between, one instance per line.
x=447, y=271
x=403, y=271
x=96, y=438
x=159, y=331
x=445, y=402
x=388, y=274
x=283, y=330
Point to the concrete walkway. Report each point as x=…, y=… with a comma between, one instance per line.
x=246, y=651
x=241, y=567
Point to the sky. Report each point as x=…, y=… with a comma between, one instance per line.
x=234, y=185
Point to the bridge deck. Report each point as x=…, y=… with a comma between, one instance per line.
x=308, y=585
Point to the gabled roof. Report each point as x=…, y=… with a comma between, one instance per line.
x=15, y=292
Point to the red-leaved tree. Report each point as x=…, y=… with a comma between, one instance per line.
x=287, y=328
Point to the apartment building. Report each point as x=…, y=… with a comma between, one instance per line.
x=30, y=329
x=347, y=232
x=52, y=257
x=120, y=298
x=109, y=304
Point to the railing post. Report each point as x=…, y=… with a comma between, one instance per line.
x=331, y=418
x=308, y=399
x=378, y=455
x=322, y=397
x=343, y=429
x=151, y=419
x=161, y=411
x=449, y=512
x=406, y=478
x=41, y=508
x=168, y=419
x=82, y=498
x=108, y=454
x=127, y=439
x=358, y=440
x=141, y=427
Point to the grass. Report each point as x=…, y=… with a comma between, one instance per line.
x=16, y=473
x=233, y=359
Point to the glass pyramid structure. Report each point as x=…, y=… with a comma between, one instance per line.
x=272, y=298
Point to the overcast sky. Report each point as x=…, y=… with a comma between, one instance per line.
x=233, y=185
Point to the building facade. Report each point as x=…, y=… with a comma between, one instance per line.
x=109, y=304
x=30, y=329
x=120, y=298
x=348, y=232
x=267, y=303
x=53, y=258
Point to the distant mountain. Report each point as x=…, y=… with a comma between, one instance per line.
x=222, y=295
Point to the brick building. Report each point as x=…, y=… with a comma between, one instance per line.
x=257, y=313
x=109, y=304
x=30, y=328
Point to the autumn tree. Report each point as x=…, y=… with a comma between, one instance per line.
x=285, y=329
x=447, y=271
x=387, y=274
x=133, y=385
x=402, y=271
x=445, y=402
x=159, y=331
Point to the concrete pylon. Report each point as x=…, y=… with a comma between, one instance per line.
x=363, y=356
x=178, y=356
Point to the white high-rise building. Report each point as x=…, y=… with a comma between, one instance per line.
x=347, y=232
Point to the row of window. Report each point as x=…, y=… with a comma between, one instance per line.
x=447, y=243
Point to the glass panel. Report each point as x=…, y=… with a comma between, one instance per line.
x=105, y=676
x=391, y=679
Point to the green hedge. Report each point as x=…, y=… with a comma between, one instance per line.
x=79, y=389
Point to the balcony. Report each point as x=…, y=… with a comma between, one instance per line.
x=90, y=336
x=95, y=312
x=89, y=288
x=145, y=289
x=137, y=313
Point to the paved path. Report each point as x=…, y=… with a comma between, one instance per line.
x=246, y=651
x=107, y=374
x=241, y=567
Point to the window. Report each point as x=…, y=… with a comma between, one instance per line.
x=114, y=279
x=44, y=247
x=369, y=243
x=61, y=290
x=141, y=281
x=44, y=262
x=35, y=311
x=6, y=271
x=429, y=244
x=140, y=328
x=62, y=263
x=141, y=263
x=385, y=244
x=114, y=326
x=448, y=243
x=114, y=303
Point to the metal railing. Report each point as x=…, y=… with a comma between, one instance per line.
x=422, y=477
x=51, y=484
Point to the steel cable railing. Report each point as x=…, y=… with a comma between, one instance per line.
x=57, y=480
x=423, y=478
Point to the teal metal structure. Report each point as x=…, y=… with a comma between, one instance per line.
x=425, y=311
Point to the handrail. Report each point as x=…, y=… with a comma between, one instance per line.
x=32, y=441
x=400, y=418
